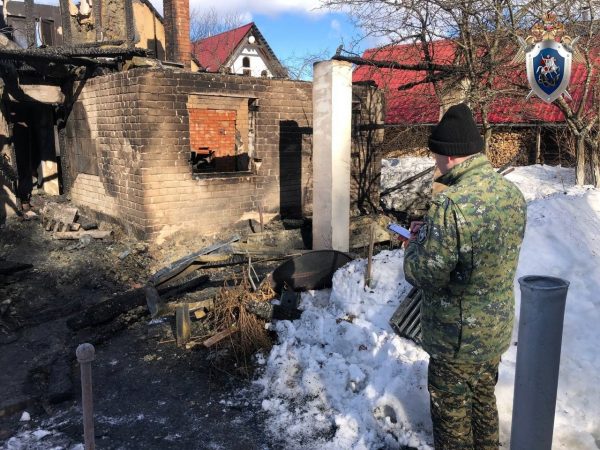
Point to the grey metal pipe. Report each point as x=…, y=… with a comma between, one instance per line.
x=85, y=355
x=538, y=358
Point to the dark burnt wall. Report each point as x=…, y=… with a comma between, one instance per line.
x=127, y=151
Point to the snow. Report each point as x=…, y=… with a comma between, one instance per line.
x=413, y=195
x=340, y=378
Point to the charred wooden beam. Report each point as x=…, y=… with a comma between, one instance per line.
x=177, y=267
x=93, y=52
x=33, y=56
x=115, y=43
x=70, y=55
x=10, y=267
x=111, y=308
x=423, y=66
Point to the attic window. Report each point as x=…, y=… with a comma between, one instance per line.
x=246, y=62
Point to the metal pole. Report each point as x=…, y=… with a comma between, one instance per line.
x=538, y=359
x=85, y=355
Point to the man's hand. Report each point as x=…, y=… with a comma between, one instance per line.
x=414, y=228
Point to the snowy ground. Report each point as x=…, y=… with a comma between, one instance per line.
x=341, y=379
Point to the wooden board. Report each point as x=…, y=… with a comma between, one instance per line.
x=75, y=235
x=219, y=337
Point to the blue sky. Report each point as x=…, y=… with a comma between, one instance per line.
x=297, y=34
x=295, y=29
x=294, y=36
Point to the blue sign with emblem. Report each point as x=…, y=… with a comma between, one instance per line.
x=549, y=69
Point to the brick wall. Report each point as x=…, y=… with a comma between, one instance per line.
x=177, y=31
x=128, y=139
x=130, y=133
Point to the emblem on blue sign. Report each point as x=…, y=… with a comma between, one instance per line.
x=548, y=70
x=548, y=54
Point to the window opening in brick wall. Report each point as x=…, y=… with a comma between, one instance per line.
x=47, y=32
x=222, y=133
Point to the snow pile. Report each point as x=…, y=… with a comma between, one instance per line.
x=340, y=378
x=340, y=370
x=413, y=196
x=543, y=181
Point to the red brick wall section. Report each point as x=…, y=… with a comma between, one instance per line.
x=213, y=129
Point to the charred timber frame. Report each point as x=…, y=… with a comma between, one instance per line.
x=434, y=72
x=71, y=55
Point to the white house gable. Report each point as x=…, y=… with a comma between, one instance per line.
x=248, y=60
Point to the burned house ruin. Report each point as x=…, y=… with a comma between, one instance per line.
x=155, y=146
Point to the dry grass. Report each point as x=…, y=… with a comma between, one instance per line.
x=230, y=310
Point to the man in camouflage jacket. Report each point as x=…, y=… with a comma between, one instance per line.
x=464, y=258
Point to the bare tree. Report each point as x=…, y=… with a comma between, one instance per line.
x=484, y=35
x=301, y=67
x=208, y=22
x=582, y=114
x=479, y=32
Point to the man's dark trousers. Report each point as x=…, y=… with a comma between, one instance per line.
x=463, y=404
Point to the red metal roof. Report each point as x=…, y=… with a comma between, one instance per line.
x=214, y=51
x=420, y=104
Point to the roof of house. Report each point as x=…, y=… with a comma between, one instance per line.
x=215, y=51
x=420, y=104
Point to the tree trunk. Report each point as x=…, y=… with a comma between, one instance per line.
x=596, y=167
x=580, y=154
x=538, y=146
x=487, y=138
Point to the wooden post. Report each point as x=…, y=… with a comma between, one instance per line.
x=538, y=145
x=370, y=257
x=183, y=324
x=260, y=216
x=85, y=355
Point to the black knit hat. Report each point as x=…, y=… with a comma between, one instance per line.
x=456, y=134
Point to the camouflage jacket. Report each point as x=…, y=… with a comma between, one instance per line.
x=464, y=259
